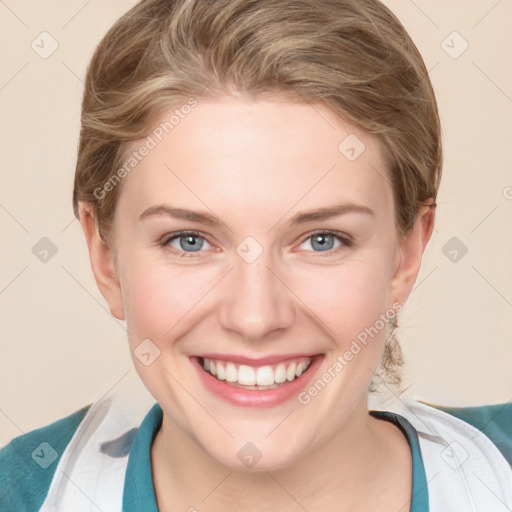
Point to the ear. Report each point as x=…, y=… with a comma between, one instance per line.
x=410, y=252
x=102, y=262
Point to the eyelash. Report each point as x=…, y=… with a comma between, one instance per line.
x=345, y=240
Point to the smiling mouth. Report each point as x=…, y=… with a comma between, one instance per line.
x=256, y=378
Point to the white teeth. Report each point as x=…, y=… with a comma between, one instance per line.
x=301, y=367
x=221, y=372
x=280, y=375
x=246, y=375
x=290, y=372
x=231, y=373
x=264, y=377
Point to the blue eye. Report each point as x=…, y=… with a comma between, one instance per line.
x=324, y=241
x=189, y=241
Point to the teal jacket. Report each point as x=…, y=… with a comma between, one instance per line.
x=28, y=462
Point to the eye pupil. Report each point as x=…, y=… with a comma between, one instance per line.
x=192, y=240
x=321, y=239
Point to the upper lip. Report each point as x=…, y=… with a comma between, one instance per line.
x=261, y=361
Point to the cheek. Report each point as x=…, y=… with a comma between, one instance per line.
x=347, y=298
x=159, y=298
x=162, y=300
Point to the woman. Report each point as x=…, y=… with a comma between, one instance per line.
x=256, y=182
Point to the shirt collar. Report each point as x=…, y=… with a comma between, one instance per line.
x=419, y=499
x=139, y=493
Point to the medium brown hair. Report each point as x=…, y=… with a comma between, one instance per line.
x=353, y=56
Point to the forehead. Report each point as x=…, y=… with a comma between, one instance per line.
x=254, y=155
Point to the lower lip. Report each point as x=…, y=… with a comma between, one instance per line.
x=253, y=397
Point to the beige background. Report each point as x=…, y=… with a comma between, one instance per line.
x=60, y=347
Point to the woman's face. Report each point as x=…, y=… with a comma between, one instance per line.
x=225, y=252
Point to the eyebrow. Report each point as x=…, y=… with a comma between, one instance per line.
x=299, y=218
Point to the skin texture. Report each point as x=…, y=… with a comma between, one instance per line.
x=254, y=164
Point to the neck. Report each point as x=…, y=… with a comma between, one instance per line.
x=350, y=470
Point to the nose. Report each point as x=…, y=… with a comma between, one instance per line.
x=256, y=304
